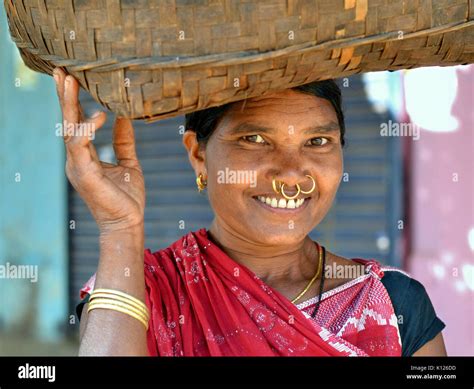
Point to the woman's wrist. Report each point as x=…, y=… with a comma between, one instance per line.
x=121, y=261
x=124, y=241
x=116, y=230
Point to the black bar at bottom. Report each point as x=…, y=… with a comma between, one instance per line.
x=137, y=372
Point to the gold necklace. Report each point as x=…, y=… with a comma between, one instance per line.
x=320, y=252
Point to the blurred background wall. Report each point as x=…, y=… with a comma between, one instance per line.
x=441, y=191
x=400, y=201
x=33, y=204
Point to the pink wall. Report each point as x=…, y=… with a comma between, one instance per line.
x=441, y=218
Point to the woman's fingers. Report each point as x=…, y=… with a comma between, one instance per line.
x=100, y=184
x=59, y=75
x=124, y=143
x=71, y=100
x=77, y=131
x=97, y=120
x=77, y=134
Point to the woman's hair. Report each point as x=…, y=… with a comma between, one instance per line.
x=204, y=122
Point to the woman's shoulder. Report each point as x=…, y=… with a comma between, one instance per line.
x=418, y=322
x=404, y=290
x=397, y=279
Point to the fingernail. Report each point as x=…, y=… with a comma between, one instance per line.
x=56, y=78
x=96, y=114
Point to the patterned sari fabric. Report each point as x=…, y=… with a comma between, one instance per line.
x=203, y=303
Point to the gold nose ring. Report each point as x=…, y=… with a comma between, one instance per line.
x=277, y=191
x=314, y=185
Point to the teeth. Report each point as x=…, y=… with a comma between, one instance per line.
x=282, y=203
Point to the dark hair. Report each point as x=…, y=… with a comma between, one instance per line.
x=204, y=122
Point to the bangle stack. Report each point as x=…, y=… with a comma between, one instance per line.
x=121, y=302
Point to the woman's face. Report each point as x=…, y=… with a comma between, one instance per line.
x=286, y=134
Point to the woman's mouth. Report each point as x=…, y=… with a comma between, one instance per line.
x=281, y=205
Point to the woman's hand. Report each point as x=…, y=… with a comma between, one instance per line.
x=115, y=194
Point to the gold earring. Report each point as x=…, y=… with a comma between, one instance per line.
x=314, y=185
x=290, y=197
x=200, y=184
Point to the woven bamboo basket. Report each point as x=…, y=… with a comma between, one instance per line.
x=151, y=59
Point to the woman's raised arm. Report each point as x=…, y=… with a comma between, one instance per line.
x=115, y=195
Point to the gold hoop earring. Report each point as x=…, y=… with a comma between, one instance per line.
x=200, y=184
x=314, y=185
x=290, y=197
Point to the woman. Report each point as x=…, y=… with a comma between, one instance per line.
x=254, y=283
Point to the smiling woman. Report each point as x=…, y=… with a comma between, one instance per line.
x=254, y=283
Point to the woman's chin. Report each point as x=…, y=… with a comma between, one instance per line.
x=272, y=234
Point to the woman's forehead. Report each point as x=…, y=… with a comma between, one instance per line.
x=285, y=103
x=283, y=108
x=284, y=97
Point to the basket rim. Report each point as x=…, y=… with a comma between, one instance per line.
x=231, y=58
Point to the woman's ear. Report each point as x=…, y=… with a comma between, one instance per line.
x=196, y=152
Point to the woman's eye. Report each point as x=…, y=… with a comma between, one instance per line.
x=320, y=141
x=254, y=138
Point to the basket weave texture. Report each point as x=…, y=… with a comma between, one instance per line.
x=151, y=59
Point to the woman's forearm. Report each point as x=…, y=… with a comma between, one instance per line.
x=121, y=267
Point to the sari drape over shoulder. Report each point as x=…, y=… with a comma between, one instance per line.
x=203, y=303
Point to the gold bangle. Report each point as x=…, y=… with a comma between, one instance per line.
x=119, y=293
x=119, y=309
x=120, y=304
x=139, y=307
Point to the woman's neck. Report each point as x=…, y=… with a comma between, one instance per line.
x=278, y=266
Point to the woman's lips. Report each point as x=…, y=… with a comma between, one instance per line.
x=283, y=211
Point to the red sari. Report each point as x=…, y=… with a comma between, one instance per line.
x=203, y=303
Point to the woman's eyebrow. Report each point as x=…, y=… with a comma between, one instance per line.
x=244, y=128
